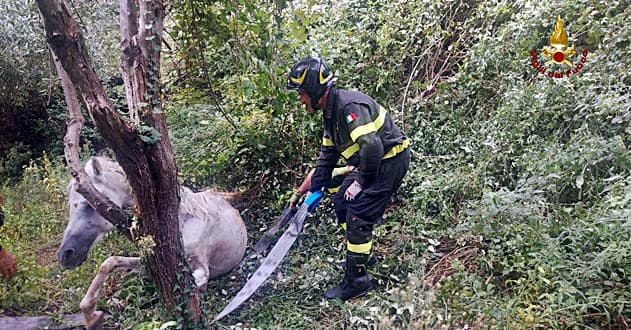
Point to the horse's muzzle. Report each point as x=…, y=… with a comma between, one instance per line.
x=69, y=258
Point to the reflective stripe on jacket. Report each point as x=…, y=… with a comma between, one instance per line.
x=359, y=130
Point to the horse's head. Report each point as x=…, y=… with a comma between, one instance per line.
x=86, y=226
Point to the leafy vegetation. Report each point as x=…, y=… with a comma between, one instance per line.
x=32, y=109
x=516, y=212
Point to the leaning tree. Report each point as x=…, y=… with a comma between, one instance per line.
x=141, y=142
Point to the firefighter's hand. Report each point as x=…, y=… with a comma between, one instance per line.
x=293, y=200
x=8, y=266
x=352, y=191
x=342, y=170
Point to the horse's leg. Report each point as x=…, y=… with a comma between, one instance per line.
x=199, y=268
x=88, y=303
x=201, y=275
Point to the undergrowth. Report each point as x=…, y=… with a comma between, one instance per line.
x=516, y=211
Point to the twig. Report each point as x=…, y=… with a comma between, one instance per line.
x=446, y=310
x=445, y=258
x=212, y=93
x=405, y=94
x=421, y=156
x=76, y=12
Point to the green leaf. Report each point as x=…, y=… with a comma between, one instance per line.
x=149, y=134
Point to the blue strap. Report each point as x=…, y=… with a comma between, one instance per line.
x=313, y=200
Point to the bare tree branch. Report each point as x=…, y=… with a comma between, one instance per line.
x=130, y=51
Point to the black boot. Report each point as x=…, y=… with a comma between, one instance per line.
x=355, y=283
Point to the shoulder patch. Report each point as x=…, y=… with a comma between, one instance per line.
x=351, y=117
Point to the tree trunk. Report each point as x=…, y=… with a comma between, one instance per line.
x=142, y=145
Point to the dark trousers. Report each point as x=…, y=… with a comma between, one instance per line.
x=362, y=214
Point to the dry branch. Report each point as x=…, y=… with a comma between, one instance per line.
x=130, y=51
x=443, y=267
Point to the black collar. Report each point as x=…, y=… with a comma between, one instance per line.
x=330, y=103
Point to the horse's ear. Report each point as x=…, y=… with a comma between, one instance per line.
x=96, y=166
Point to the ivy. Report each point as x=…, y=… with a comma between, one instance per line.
x=148, y=134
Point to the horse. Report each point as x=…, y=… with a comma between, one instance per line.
x=213, y=234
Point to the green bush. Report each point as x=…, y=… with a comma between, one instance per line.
x=519, y=167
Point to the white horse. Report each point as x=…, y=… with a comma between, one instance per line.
x=213, y=233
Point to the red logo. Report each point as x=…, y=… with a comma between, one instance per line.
x=558, y=55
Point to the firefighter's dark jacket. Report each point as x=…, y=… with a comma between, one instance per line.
x=360, y=131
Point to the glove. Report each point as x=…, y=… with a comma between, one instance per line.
x=342, y=170
x=304, y=187
x=293, y=200
x=312, y=200
x=352, y=191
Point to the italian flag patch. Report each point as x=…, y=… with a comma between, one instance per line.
x=352, y=116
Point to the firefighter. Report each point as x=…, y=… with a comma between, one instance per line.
x=359, y=130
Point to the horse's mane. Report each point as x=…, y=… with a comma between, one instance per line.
x=202, y=204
